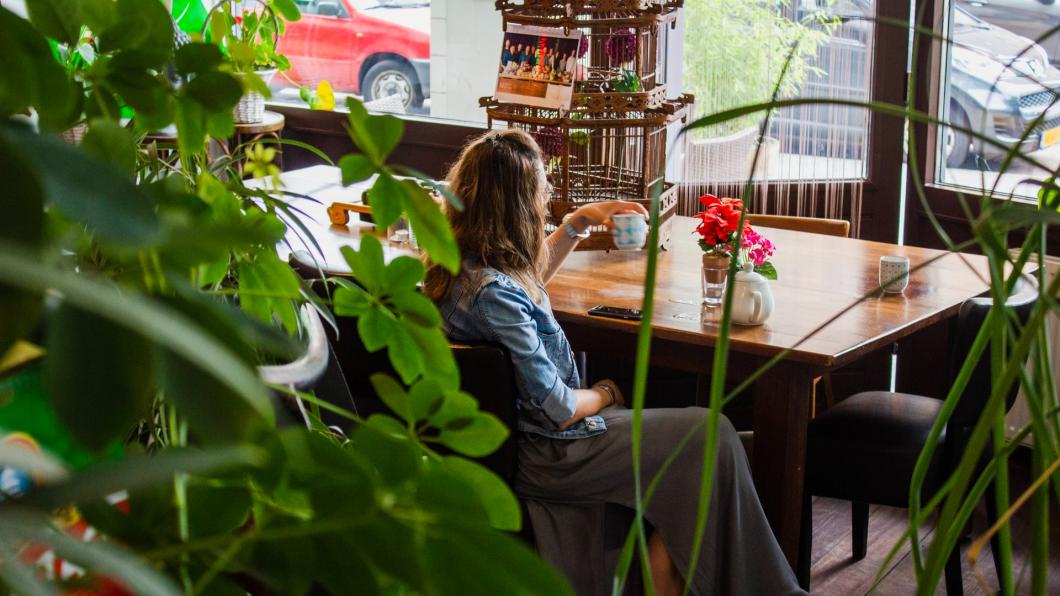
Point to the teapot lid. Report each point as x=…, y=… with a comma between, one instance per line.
x=748, y=274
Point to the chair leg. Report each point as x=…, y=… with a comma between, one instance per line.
x=954, y=577
x=859, y=522
x=829, y=390
x=805, y=543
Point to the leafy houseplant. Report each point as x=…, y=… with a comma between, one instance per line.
x=250, y=33
x=150, y=355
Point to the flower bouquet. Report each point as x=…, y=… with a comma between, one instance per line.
x=718, y=223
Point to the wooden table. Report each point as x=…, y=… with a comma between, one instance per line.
x=819, y=276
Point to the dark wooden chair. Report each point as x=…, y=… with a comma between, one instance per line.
x=486, y=372
x=864, y=448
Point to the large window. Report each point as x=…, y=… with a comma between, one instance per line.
x=999, y=79
x=410, y=57
x=813, y=158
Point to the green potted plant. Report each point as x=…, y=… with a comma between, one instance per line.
x=249, y=31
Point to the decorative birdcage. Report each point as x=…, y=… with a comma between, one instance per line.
x=611, y=143
x=620, y=53
x=599, y=154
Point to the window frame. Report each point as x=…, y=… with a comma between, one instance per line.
x=942, y=198
x=431, y=144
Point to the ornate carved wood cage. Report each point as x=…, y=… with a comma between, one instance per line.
x=619, y=37
x=611, y=144
x=599, y=155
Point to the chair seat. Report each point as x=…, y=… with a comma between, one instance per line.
x=865, y=448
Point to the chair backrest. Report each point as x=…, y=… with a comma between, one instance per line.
x=486, y=372
x=813, y=225
x=972, y=315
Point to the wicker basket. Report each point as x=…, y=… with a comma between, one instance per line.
x=251, y=107
x=75, y=133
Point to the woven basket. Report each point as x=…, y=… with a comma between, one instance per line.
x=75, y=133
x=251, y=107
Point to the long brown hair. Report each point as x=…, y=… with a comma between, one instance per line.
x=501, y=180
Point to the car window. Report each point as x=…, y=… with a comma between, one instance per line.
x=383, y=4
x=330, y=8
x=964, y=19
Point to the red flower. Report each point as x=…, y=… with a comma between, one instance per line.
x=718, y=221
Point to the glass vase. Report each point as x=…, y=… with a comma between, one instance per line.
x=715, y=273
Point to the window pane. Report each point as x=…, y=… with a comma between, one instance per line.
x=402, y=56
x=734, y=54
x=998, y=82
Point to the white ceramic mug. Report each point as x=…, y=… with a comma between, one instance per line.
x=629, y=231
x=894, y=273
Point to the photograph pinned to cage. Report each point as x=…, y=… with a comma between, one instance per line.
x=538, y=66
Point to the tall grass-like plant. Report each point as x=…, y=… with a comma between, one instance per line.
x=1012, y=346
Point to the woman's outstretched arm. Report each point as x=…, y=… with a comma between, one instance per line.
x=559, y=244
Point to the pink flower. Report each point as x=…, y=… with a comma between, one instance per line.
x=758, y=247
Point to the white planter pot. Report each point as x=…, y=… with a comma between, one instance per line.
x=251, y=107
x=768, y=166
x=721, y=159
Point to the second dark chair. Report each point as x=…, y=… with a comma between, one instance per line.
x=864, y=449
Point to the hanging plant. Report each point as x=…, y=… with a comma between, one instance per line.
x=550, y=140
x=621, y=46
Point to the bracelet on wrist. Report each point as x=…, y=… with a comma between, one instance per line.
x=609, y=391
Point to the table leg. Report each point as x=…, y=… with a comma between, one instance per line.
x=781, y=413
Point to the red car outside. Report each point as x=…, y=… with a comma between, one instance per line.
x=373, y=48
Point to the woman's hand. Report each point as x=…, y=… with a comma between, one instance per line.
x=595, y=214
x=608, y=387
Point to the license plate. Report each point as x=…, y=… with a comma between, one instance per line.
x=1051, y=137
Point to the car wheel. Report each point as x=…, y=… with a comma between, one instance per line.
x=391, y=77
x=957, y=144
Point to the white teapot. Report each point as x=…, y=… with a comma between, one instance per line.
x=752, y=300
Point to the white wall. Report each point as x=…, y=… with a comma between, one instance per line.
x=465, y=50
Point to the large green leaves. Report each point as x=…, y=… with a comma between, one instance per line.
x=99, y=376
x=268, y=288
x=430, y=226
x=58, y=19
x=393, y=314
x=107, y=140
x=497, y=499
x=377, y=137
x=23, y=206
x=32, y=77
x=94, y=192
x=140, y=25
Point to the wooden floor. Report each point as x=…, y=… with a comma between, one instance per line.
x=833, y=572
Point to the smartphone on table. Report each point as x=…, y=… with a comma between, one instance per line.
x=616, y=312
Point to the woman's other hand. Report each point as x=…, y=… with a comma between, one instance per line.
x=609, y=387
x=595, y=214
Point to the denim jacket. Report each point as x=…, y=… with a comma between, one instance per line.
x=484, y=304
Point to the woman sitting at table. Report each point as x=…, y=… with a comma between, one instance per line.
x=575, y=443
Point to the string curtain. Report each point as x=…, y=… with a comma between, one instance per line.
x=812, y=160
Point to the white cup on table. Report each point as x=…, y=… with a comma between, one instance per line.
x=629, y=231
x=894, y=273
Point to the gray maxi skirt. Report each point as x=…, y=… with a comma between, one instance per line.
x=567, y=486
